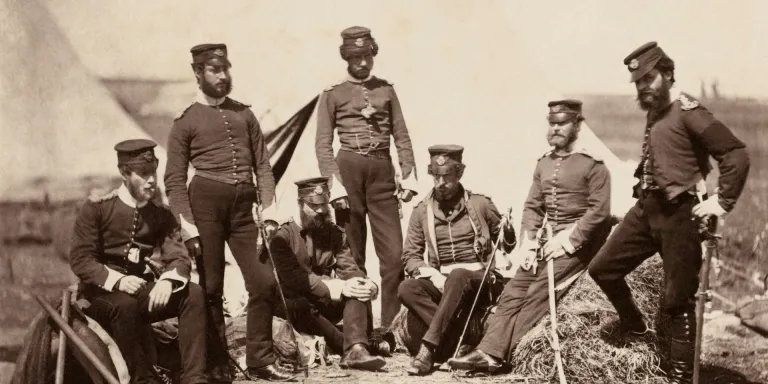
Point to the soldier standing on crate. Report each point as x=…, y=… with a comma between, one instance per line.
x=571, y=193
x=680, y=136
x=113, y=238
x=222, y=140
x=457, y=229
x=365, y=111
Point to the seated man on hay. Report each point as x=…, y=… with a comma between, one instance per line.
x=114, y=237
x=322, y=281
x=458, y=230
x=570, y=196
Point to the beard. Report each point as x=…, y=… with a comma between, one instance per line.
x=650, y=99
x=560, y=141
x=142, y=192
x=359, y=73
x=222, y=89
x=447, y=197
x=318, y=222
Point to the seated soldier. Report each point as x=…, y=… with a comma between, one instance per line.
x=572, y=189
x=458, y=229
x=321, y=280
x=114, y=237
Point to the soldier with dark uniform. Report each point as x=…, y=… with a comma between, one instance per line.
x=222, y=140
x=570, y=196
x=457, y=228
x=366, y=111
x=680, y=136
x=322, y=281
x=114, y=239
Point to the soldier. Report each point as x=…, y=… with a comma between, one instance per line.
x=222, y=139
x=680, y=136
x=366, y=111
x=322, y=280
x=572, y=189
x=114, y=237
x=458, y=229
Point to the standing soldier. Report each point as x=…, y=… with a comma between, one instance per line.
x=114, y=237
x=366, y=111
x=680, y=136
x=323, y=282
x=457, y=230
x=222, y=139
x=572, y=189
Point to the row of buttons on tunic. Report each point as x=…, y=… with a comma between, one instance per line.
x=554, y=188
x=231, y=143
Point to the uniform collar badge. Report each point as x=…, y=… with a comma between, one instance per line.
x=634, y=64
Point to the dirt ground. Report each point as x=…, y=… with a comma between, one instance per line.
x=733, y=354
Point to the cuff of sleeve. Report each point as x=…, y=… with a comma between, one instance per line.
x=174, y=275
x=335, y=286
x=112, y=279
x=188, y=230
x=337, y=189
x=427, y=272
x=568, y=247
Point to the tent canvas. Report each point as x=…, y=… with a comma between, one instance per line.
x=58, y=123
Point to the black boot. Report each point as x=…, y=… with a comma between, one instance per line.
x=618, y=293
x=270, y=373
x=682, y=334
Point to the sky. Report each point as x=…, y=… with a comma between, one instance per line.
x=578, y=45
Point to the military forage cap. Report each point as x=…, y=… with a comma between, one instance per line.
x=314, y=190
x=643, y=59
x=139, y=154
x=357, y=41
x=445, y=159
x=203, y=53
x=561, y=111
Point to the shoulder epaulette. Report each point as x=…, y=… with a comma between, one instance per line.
x=585, y=152
x=470, y=193
x=334, y=85
x=547, y=153
x=687, y=102
x=183, y=112
x=239, y=103
x=97, y=197
x=386, y=81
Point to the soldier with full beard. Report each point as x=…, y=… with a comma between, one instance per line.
x=573, y=190
x=322, y=281
x=222, y=139
x=680, y=137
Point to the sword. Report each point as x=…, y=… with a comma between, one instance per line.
x=710, y=248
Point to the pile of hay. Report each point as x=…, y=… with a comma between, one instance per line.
x=591, y=348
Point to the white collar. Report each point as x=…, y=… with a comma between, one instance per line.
x=358, y=81
x=125, y=196
x=204, y=99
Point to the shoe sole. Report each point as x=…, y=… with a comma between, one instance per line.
x=467, y=366
x=370, y=365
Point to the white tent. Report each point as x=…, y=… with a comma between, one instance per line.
x=458, y=70
x=58, y=124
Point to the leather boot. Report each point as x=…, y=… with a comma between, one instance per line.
x=423, y=362
x=632, y=320
x=270, y=373
x=682, y=335
x=358, y=357
x=475, y=360
x=220, y=374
